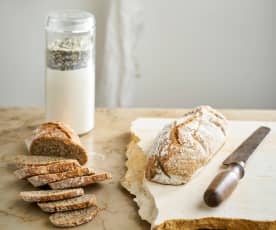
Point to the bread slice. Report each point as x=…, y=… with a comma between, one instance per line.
x=68, y=204
x=50, y=195
x=74, y=218
x=56, y=139
x=46, y=169
x=81, y=181
x=30, y=160
x=40, y=180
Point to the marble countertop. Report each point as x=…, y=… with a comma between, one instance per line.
x=108, y=140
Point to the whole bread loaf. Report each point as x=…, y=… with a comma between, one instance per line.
x=186, y=145
x=56, y=139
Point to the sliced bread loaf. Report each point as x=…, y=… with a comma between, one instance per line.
x=68, y=204
x=40, y=180
x=81, y=181
x=30, y=160
x=50, y=195
x=46, y=169
x=74, y=218
x=56, y=139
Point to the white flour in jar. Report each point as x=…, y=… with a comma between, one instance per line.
x=70, y=84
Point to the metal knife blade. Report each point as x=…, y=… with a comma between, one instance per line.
x=227, y=180
x=243, y=152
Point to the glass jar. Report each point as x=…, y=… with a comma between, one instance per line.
x=70, y=69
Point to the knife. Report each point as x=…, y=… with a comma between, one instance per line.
x=234, y=168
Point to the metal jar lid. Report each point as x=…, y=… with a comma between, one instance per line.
x=74, y=21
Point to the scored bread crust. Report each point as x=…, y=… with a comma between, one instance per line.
x=68, y=204
x=40, y=180
x=50, y=195
x=58, y=139
x=74, y=218
x=81, y=181
x=186, y=145
x=29, y=171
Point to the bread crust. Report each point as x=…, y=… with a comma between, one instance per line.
x=186, y=145
x=50, y=195
x=83, y=201
x=81, y=181
x=57, y=132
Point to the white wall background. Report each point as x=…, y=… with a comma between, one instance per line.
x=22, y=46
x=191, y=52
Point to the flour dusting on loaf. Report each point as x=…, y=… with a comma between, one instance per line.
x=186, y=145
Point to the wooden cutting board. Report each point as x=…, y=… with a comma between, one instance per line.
x=251, y=206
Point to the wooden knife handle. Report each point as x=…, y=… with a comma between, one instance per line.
x=223, y=184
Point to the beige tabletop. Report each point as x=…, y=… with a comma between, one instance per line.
x=108, y=141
